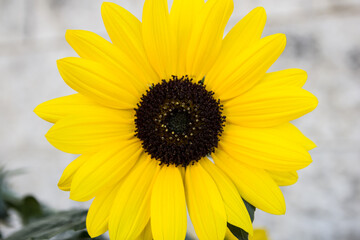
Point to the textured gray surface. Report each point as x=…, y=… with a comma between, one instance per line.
x=323, y=38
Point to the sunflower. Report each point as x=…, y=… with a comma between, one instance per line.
x=172, y=116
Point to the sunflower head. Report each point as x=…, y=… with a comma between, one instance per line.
x=171, y=116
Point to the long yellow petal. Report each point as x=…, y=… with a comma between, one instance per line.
x=168, y=207
x=292, y=133
x=98, y=215
x=131, y=212
x=69, y=172
x=58, y=108
x=264, y=106
x=284, y=178
x=182, y=17
x=124, y=30
x=248, y=68
x=254, y=185
x=93, y=47
x=99, y=83
x=159, y=38
x=235, y=208
x=245, y=33
x=206, y=37
x=109, y=165
x=205, y=205
x=263, y=149
x=289, y=77
x=80, y=134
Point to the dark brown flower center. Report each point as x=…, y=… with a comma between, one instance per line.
x=179, y=121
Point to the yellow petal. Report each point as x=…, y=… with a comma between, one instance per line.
x=80, y=134
x=289, y=77
x=69, y=172
x=93, y=47
x=182, y=171
x=262, y=148
x=124, y=30
x=98, y=215
x=292, y=133
x=235, y=208
x=206, y=37
x=168, y=207
x=182, y=17
x=254, y=185
x=245, y=33
x=205, y=205
x=58, y=108
x=265, y=106
x=109, y=165
x=284, y=178
x=159, y=38
x=146, y=234
x=99, y=83
x=131, y=212
x=248, y=68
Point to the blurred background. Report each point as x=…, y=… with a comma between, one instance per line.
x=323, y=38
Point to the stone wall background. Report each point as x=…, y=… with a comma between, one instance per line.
x=323, y=38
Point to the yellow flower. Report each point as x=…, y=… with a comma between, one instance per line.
x=165, y=95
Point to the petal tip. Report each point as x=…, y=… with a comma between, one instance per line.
x=61, y=62
x=92, y=231
x=281, y=37
x=72, y=33
x=106, y=6
x=281, y=208
x=69, y=32
x=77, y=197
x=48, y=135
x=38, y=110
x=62, y=186
x=277, y=38
x=313, y=145
x=67, y=61
x=260, y=10
x=315, y=101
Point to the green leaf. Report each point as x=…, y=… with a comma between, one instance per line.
x=76, y=235
x=30, y=209
x=3, y=210
x=48, y=227
x=7, y=198
x=238, y=232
